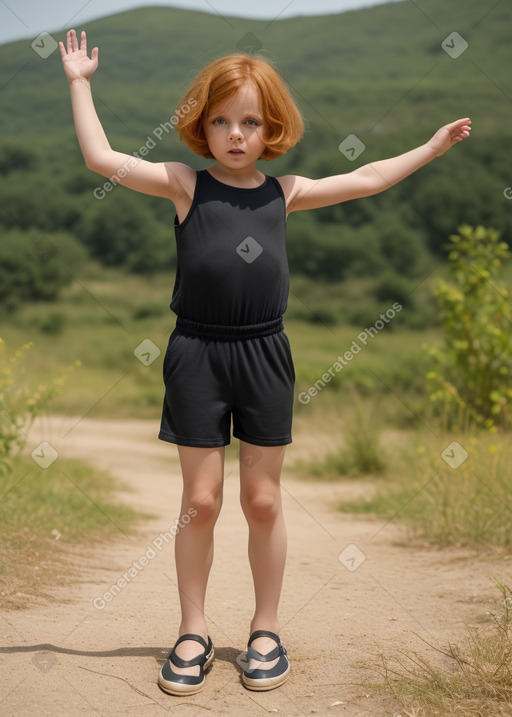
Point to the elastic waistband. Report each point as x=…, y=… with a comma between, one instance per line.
x=229, y=333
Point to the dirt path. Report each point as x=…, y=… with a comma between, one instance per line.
x=83, y=654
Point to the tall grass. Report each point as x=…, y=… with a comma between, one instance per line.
x=468, y=504
x=470, y=679
x=361, y=450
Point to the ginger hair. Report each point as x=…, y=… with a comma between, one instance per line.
x=282, y=122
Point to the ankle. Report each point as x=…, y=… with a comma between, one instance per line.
x=270, y=625
x=194, y=629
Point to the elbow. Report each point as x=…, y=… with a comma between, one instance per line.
x=100, y=167
x=93, y=164
x=97, y=161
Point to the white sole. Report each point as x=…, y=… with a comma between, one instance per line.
x=178, y=689
x=268, y=683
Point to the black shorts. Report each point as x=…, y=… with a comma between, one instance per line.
x=211, y=381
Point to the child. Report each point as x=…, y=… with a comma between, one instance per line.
x=228, y=357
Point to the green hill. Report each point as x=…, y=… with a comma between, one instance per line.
x=380, y=73
x=380, y=68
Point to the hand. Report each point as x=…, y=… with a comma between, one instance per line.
x=77, y=65
x=449, y=135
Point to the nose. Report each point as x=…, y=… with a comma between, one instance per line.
x=235, y=132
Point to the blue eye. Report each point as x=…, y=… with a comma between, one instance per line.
x=219, y=120
x=253, y=123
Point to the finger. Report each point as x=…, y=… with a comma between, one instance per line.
x=458, y=123
x=94, y=55
x=463, y=134
x=83, y=42
x=72, y=41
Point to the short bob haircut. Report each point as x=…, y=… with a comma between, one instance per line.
x=282, y=122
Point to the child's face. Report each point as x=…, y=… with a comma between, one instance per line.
x=234, y=129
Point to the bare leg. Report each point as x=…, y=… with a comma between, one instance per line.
x=260, y=474
x=203, y=475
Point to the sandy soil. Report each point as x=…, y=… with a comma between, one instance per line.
x=74, y=653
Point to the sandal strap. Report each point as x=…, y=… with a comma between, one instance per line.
x=264, y=633
x=198, y=660
x=253, y=654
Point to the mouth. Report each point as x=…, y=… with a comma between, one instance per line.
x=236, y=151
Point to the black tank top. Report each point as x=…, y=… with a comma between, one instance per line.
x=232, y=267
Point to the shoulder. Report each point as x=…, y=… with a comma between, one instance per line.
x=182, y=178
x=293, y=187
x=180, y=172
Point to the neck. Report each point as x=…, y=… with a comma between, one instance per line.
x=245, y=177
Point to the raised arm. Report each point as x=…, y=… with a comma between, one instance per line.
x=303, y=193
x=163, y=179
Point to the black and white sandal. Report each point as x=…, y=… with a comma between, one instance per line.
x=175, y=684
x=259, y=679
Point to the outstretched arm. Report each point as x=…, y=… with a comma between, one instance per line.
x=161, y=179
x=303, y=193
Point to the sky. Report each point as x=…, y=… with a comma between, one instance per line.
x=21, y=19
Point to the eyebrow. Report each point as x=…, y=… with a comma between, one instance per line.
x=247, y=115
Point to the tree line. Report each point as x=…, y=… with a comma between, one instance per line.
x=52, y=218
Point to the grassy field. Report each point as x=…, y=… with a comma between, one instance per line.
x=103, y=317
x=80, y=500
x=361, y=387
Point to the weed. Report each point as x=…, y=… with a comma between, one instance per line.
x=473, y=679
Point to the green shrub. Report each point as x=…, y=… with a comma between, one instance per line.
x=403, y=246
x=320, y=314
x=19, y=403
x=392, y=287
x=149, y=310
x=362, y=452
x=52, y=323
x=120, y=231
x=36, y=266
x=470, y=380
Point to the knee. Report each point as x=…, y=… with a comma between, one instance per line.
x=260, y=507
x=203, y=507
